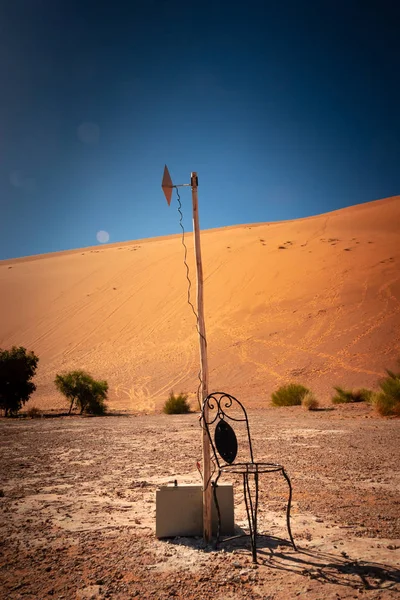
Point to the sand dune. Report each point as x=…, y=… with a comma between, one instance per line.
x=313, y=300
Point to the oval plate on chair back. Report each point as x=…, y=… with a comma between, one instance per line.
x=226, y=441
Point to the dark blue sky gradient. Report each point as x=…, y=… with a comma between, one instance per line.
x=286, y=109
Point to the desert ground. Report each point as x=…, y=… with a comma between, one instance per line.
x=313, y=300
x=78, y=509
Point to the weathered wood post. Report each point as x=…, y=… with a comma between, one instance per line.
x=207, y=523
x=167, y=186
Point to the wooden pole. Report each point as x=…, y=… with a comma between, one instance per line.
x=207, y=523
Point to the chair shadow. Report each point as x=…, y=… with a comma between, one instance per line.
x=277, y=553
x=327, y=567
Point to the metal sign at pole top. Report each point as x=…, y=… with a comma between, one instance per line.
x=167, y=187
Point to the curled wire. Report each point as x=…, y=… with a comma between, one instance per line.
x=207, y=483
x=189, y=290
x=211, y=475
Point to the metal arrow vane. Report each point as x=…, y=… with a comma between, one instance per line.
x=167, y=187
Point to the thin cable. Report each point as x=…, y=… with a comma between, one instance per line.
x=200, y=386
x=189, y=290
x=211, y=476
x=184, y=260
x=205, y=487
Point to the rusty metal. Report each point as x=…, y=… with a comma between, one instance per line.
x=167, y=185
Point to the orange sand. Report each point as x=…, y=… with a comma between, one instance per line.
x=323, y=311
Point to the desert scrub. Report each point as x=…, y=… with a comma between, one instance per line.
x=81, y=389
x=34, y=412
x=289, y=395
x=387, y=401
x=17, y=369
x=176, y=405
x=309, y=401
x=343, y=396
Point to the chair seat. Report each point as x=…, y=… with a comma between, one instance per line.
x=251, y=467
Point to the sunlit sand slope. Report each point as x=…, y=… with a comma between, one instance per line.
x=313, y=300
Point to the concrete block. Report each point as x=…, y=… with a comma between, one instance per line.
x=179, y=511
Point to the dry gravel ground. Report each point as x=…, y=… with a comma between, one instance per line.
x=78, y=509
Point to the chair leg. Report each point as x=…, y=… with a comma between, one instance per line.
x=288, y=508
x=215, y=485
x=251, y=512
x=255, y=517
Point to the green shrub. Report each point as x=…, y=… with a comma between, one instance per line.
x=387, y=406
x=309, y=401
x=95, y=404
x=17, y=369
x=387, y=401
x=34, y=412
x=176, y=405
x=87, y=393
x=368, y=395
x=289, y=395
x=343, y=396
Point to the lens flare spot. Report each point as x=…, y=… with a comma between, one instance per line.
x=89, y=133
x=19, y=180
x=102, y=236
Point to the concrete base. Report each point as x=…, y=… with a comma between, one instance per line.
x=179, y=511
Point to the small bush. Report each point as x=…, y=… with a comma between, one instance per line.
x=95, y=406
x=368, y=395
x=82, y=389
x=387, y=401
x=343, y=396
x=176, y=405
x=387, y=406
x=309, y=401
x=34, y=412
x=289, y=395
x=17, y=369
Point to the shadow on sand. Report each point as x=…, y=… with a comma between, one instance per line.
x=63, y=414
x=277, y=553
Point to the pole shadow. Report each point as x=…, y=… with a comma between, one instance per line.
x=278, y=554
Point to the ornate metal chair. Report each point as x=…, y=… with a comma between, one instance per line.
x=219, y=408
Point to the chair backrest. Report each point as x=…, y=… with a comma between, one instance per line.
x=219, y=413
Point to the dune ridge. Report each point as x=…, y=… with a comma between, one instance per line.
x=314, y=300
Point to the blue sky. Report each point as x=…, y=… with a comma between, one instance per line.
x=284, y=109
